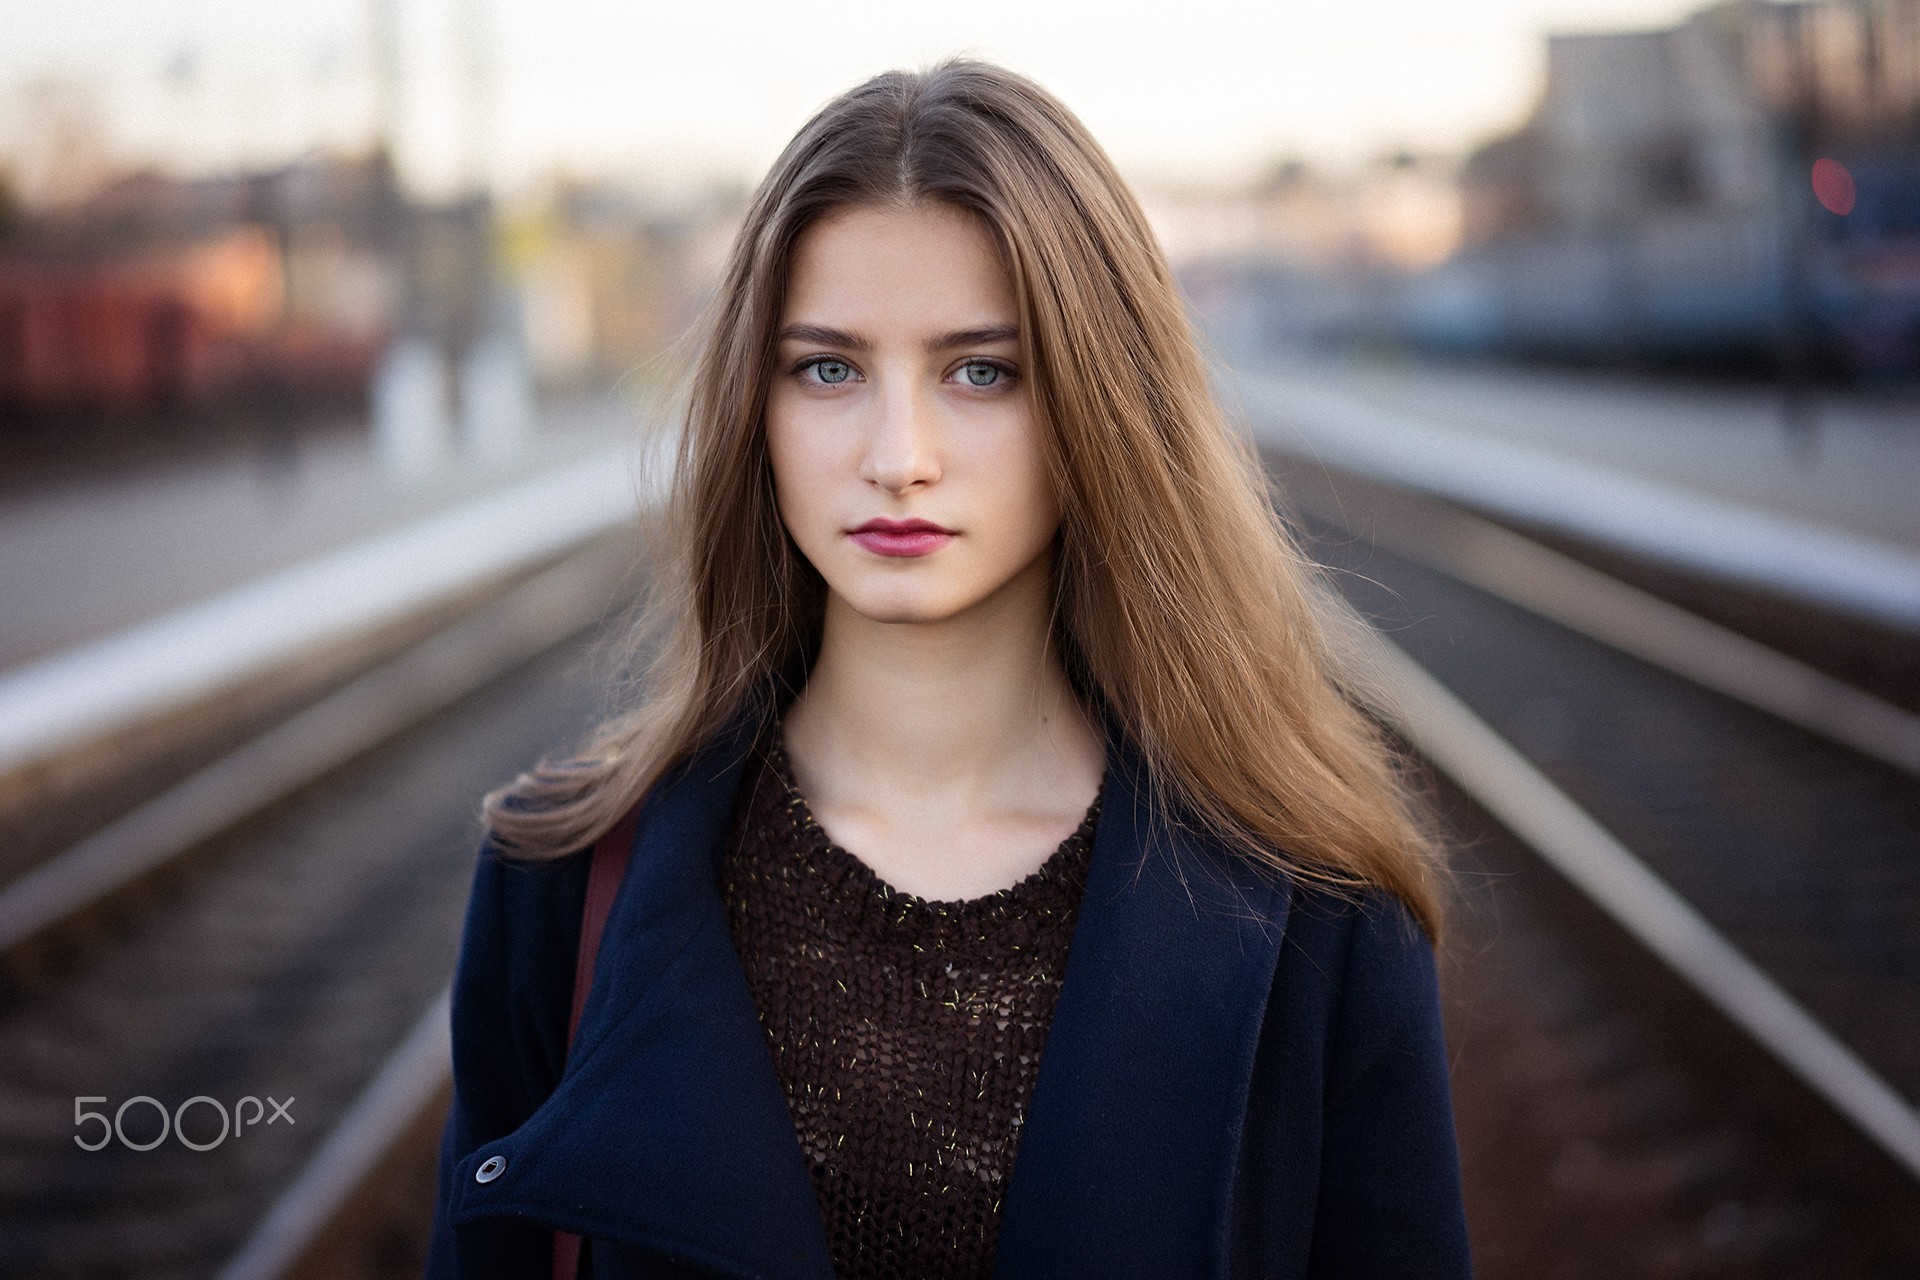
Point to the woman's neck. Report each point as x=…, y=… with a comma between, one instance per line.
x=952, y=757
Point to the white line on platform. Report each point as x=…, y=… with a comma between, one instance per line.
x=527, y=621
x=1522, y=572
x=407, y=1081
x=1461, y=745
x=72, y=697
x=1853, y=574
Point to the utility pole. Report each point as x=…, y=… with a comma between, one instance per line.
x=495, y=383
x=383, y=32
x=1796, y=134
x=411, y=419
x=477, y=88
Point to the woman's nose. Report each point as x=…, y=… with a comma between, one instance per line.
x=903, y=449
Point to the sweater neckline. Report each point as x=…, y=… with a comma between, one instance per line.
x=1054, y=883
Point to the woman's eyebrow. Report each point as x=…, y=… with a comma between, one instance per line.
x=827, y=336
x=822, y=335
x=984, y=336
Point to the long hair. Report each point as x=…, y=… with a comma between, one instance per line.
x=1182, y=604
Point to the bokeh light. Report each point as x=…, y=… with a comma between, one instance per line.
x=1833, y=186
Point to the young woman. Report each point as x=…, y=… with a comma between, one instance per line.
x=1015, y=886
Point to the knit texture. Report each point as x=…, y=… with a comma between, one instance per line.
x=906, y=1033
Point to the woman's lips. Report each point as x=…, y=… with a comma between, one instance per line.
x=901, y=538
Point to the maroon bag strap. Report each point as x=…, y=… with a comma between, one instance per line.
x=604, y=873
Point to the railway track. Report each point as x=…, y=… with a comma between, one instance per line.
x=218, y=974
x=1614, y=1119
x=1617, y=1117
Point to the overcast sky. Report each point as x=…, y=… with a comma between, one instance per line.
x=1203, y=90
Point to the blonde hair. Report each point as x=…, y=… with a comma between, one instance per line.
x=1183, y=605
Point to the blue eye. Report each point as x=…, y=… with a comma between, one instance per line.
x=983, y=375
x=831, y=372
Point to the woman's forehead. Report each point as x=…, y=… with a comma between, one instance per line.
x=907, y=272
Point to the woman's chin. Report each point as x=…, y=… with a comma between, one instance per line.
x=906, y=612
x=901, y=604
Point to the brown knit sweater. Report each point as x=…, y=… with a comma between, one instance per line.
x=906, y=1033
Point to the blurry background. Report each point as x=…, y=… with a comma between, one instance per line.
x=1581, y=337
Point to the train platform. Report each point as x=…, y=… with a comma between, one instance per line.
x=1709, y=477
x=85, y=559
x=1855, y=467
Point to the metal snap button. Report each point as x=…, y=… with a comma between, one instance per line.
x=490, y=1169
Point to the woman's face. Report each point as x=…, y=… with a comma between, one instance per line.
x=898, y=398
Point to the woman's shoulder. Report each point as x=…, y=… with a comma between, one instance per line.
x=527, y=907
x=1355, y=935
x=1356, y=965
x=522, y=929
x=1326, y=919
x=529, y=887
x=1343, y=948
x=1349, y=918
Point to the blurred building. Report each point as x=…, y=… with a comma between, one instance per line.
x=1305, y=252
x=1658, y=205
x=611, y=279
x=1401, y=212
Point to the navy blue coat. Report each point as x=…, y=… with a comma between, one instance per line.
x=1244, y=1077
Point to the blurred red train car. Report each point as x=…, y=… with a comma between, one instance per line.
x=195, y=325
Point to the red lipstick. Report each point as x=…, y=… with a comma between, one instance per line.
x=901, y=537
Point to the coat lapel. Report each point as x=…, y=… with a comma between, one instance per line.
x=1127, y=1156
x=670, y=1130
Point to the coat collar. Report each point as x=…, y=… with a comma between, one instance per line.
x=670, y=1130
x=1127, y=1154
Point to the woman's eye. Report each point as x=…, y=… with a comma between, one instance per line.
x=831, y=372
x=979, y=374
